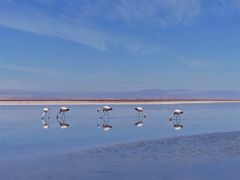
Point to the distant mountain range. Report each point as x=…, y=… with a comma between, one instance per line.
x=131, y=95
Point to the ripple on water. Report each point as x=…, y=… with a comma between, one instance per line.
x=208, y=156
x=187, y=148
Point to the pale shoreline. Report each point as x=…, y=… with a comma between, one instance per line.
x=112, y=102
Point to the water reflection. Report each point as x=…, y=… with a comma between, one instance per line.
x=21, y=133
x=176, y=120
x=105, y=124
x=140, y=116
x=61, y=118
x=45, y=118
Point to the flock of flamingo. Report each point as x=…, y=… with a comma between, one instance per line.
x=174, y=119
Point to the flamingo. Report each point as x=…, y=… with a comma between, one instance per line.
x=62, y=122
x=140, y=116
x=105, y=120
x=175, y=118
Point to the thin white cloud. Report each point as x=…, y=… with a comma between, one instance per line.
x=84, y=21
x=137, y=47
x=196, y=63
x=200, y=64
x=158, y=12
x=30, y=20
x=72, y=21
x=35, y=22
x=38, y=71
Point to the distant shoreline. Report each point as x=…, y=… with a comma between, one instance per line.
x=110, y=102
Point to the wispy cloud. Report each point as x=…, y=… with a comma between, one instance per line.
x=196, y=63
x=34, y=21
x=39, y=71
x=93, y=23
x=37, y=22
x=158, y=12
x=73, y=20
x=139, y=11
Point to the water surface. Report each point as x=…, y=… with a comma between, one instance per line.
x=154, y=151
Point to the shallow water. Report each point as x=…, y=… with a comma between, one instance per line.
x=85, y=152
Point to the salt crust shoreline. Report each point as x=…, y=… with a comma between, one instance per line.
x=111, y=102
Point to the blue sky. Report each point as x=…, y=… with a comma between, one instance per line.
x=71, y=45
